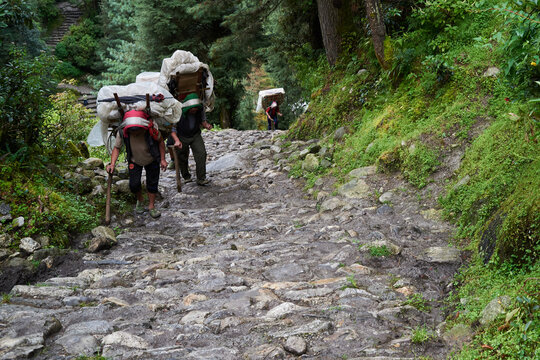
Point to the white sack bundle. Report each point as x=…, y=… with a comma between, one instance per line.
x=270, y=93
x=184, y=62
x=165, y=113
x=147, y=76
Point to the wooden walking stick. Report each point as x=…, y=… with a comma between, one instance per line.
x=110, y=178
x=108, y=201
x=177, y=168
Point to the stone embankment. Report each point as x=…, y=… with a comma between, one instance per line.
x=252, y=267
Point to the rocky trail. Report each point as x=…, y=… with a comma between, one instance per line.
x=251, y=267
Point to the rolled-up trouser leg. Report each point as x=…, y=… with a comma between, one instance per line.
x=199, y=153
x=135, y=172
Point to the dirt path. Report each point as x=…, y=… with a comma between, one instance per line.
x=250, y=267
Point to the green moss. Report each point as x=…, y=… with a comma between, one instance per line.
x=418, y=163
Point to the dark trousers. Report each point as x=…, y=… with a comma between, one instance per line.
x=196, y=144
x=274, y=119
x=152, y=177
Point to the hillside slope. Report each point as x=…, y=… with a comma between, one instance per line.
x=456, y=120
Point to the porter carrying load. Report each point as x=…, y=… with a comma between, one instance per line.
x=184, y=74
x=165, y=110
x=266, y=97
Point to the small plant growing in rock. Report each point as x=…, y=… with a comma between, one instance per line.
x=6, y=298
x=379, y=251
x=351, y=283
x=88, y=304
x=297, y=224
x=420, y=335
x=417, y=301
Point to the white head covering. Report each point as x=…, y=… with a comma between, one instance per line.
x=274, y=104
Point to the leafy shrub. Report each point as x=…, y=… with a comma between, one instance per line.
x=24, y=85
x=80, y=45
x=435, y=15
x=47, y=11
x=46, y=210
x=66, y=120
x=65, y=70
x=19, y=29
x=521, y=47
x=514, y=334
x=310, y=73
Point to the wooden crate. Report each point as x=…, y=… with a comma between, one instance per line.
x=190, y=83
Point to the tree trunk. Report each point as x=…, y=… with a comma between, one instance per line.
x=329, y=19
x=225, y=118
x=378, y=31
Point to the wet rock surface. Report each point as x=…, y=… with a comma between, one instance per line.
x=249, y=267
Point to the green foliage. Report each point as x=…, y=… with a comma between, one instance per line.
x=436, y=15
x=66, y=70
x=420, y=335
x=418, y=163
x=80, y=45
x=310, y=67
x=245, y=115
x=25, y=84
x=47, y=11
x=6, y=298
x=46, y=210
x=521, y=47
x=503, y=165
x=378, y=251
x=515, y=333
x=95, y=357
x=118, y=51
x=66, y=120
x=351, y=283
x=19, y=29
x=417, y=301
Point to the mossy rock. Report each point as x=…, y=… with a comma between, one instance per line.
x=512, y=235
x=389, y=161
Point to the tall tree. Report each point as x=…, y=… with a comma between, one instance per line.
x=378, y=31
x=117, y=49
x=329, y=21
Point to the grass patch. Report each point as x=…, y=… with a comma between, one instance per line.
x=379, y=251
x=420, y=335
x=417, y=301
x=6, y=298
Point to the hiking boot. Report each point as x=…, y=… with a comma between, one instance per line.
x=203, y=182
x=188, y=180
x=171, y=166
x=155, y=213
x=139, y=208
